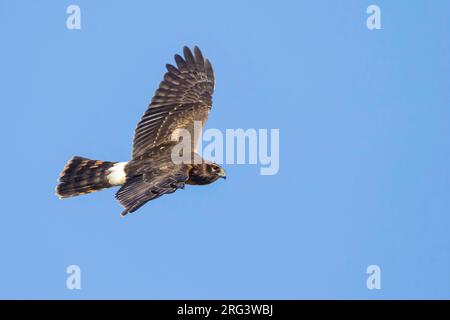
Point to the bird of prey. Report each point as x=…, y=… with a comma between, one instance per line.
x=184, y=96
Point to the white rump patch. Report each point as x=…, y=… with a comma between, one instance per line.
x=117, y=175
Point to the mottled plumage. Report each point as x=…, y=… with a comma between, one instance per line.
x=183, y=97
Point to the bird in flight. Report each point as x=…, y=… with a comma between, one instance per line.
x=184, y=97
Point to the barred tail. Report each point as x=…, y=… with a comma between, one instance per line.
x=82, y=176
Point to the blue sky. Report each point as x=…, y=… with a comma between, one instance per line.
x=364, y=150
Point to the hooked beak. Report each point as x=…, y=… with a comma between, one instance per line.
x=222, y=174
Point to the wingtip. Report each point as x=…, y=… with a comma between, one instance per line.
x=186, y=50
x=187, y=54
x=181, y=64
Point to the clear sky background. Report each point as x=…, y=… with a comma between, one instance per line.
x=364, y=119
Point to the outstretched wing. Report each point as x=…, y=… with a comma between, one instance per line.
x=184, y=96
x=140, y=189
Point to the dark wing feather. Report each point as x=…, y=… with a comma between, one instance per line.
x=184, y=96
x=140, y=189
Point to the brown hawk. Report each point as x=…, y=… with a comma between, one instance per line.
x=183, y=98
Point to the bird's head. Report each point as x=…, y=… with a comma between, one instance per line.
x=216, y=171
x=205, y=173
